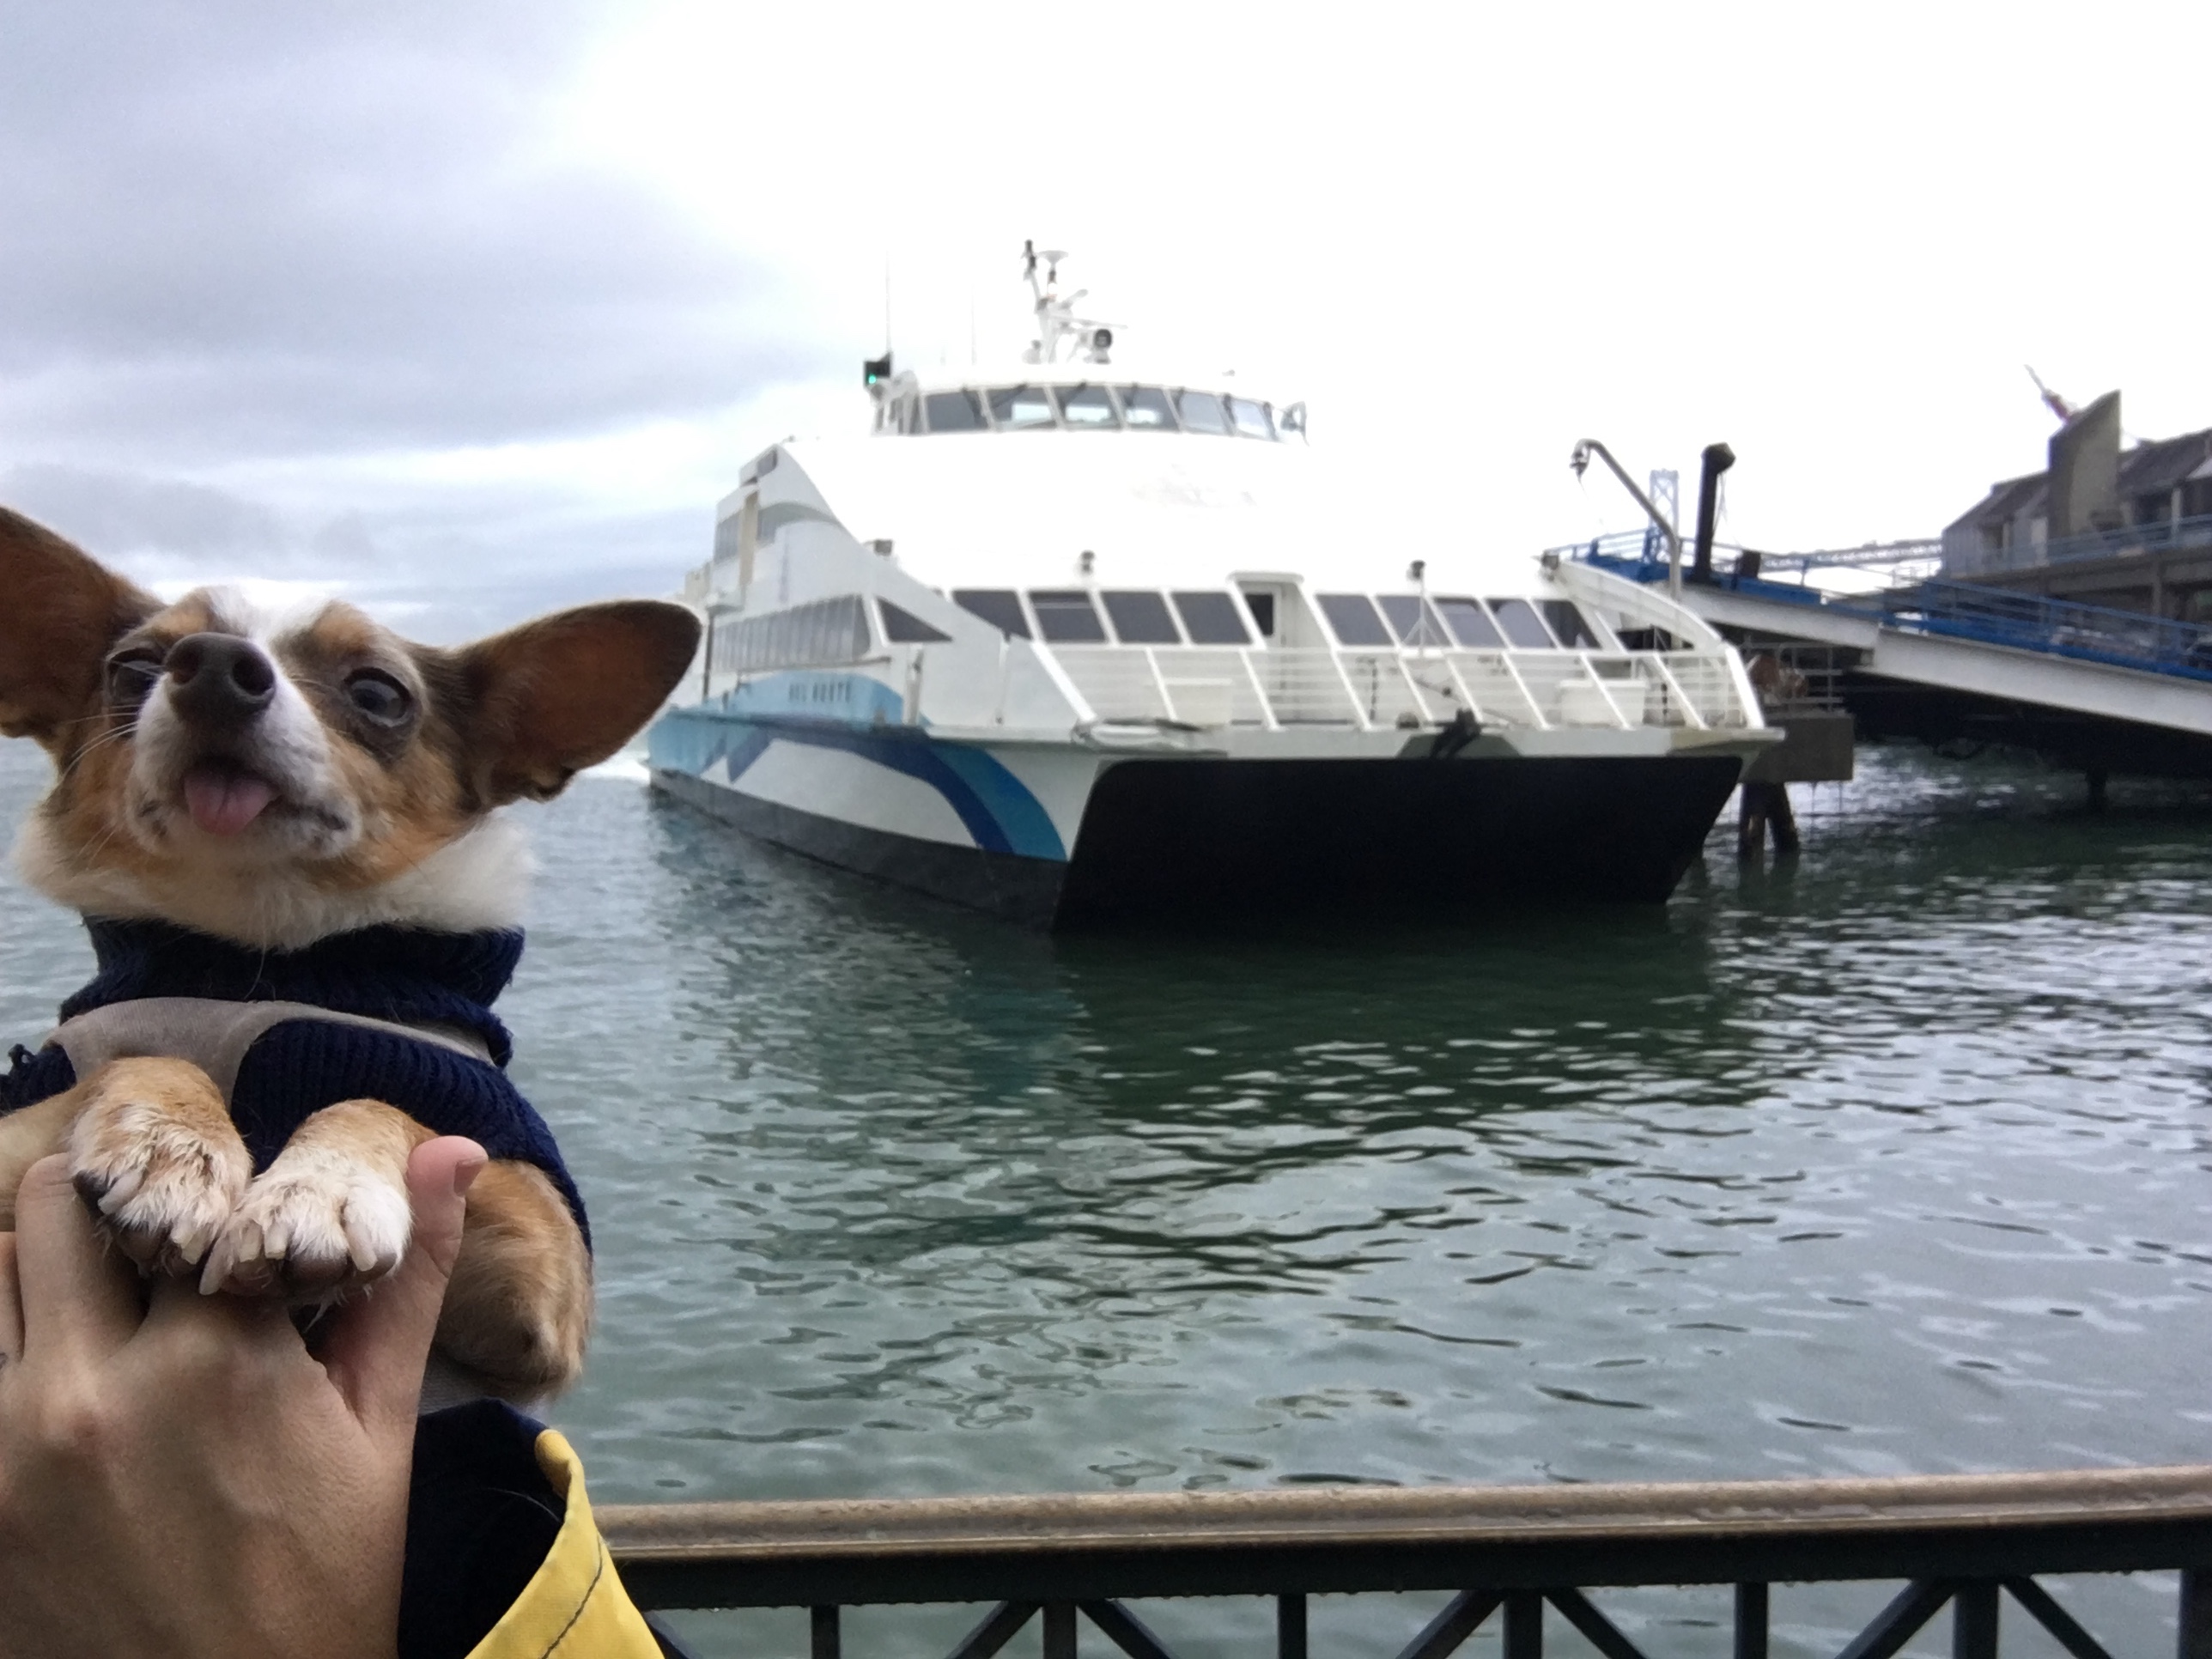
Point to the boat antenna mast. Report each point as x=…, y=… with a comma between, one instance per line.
x=1086, y=340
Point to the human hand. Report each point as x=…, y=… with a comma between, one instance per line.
x=182, y=1478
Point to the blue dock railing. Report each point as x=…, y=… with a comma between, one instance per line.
x=1968, y=611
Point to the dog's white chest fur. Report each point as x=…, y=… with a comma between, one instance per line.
x=478, y=882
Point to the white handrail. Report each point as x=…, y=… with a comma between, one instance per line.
x=1113, y=683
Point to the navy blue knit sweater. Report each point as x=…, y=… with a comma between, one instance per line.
x=406, y=974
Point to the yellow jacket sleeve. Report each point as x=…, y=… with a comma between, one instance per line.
x=574, y=1605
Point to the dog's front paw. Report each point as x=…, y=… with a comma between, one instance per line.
x=154, y=1152
x=329, y=1214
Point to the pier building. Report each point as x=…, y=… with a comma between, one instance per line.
x=2122, y=528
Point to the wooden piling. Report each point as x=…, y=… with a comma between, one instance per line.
x=1764, y=808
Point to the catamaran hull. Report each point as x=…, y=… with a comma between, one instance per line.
x=1141, y=839
x=1171, y=837
x=1008, y=885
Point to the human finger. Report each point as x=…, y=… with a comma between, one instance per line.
x=74, y=1290
x=219, y=1324
x=377, y=1351
x=11, y=1306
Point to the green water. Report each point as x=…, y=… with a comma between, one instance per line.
x=1894, y=1161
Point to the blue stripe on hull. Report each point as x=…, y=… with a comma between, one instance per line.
x=993, y=806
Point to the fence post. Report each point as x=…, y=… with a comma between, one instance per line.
x=1751, y=1621
x=1974, y=1620
x=1524, y=1626
x=1059, y=1629
x=2196, y=1614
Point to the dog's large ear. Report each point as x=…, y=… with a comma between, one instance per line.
x=64, y=611
x=554, y=695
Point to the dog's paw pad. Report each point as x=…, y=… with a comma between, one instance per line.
x=162, y=1189
x=311, y=1230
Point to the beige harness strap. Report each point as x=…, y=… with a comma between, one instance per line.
x=214, y=1035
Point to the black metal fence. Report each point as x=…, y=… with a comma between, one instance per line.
x=1974, y=1545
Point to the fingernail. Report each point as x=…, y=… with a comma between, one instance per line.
x=465, y=1175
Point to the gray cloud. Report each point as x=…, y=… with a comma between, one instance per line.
x=446, y=566
x=284, y=228
x=242, y=241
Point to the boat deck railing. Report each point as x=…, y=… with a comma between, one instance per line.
x=1528, y=1558
x=1370, y=689
x=1968, y=610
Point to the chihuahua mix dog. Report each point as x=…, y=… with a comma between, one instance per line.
x=282, y=831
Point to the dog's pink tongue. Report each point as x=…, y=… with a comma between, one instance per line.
x=221, y=801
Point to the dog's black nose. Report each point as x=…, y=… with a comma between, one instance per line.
x=219, y=679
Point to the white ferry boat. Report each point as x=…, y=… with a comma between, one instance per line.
x=1079, y=642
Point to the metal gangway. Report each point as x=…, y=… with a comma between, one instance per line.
x=2137, y=685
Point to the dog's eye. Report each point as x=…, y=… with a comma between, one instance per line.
x=132, y=674
x=377, y=696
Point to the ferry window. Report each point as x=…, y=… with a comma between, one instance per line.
x=1141, y=619
x=1212, y=619
x=1252, y=419
x=954, y=411
x=1201, y=411
x=1352, y=617
x=1000, y=606
x=1567, y=622
x=1263, y=606
x=1521, y=625
x=1412, y=621
x=1067, y=615
x=1020, y=405
x=904, y=628
x=1146, y=406
x=1086, y=405
x=1470, y=623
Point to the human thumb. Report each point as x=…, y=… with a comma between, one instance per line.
x=376, y=1351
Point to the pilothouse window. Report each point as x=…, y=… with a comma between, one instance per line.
x=1212, y=619
x=1013, y=406
x=1001, y=607
x=954, y=411
x=1146, y=407
x=1521, y=625
x=904, y=628
x=1470, y=623
x=1141, y=618
x=1567, y=622
x=1068, y=617
x=1352, y=617
x=1411, y=620
x=1252, y=419
x=1201, y=411
x=1086, y=406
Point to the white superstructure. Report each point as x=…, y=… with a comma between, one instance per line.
x=1086, y=637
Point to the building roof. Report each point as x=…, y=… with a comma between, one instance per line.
x=2151, y=468
x=2005, y=501
x=2146, y=468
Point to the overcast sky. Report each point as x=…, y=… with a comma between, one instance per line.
x=469, y=309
